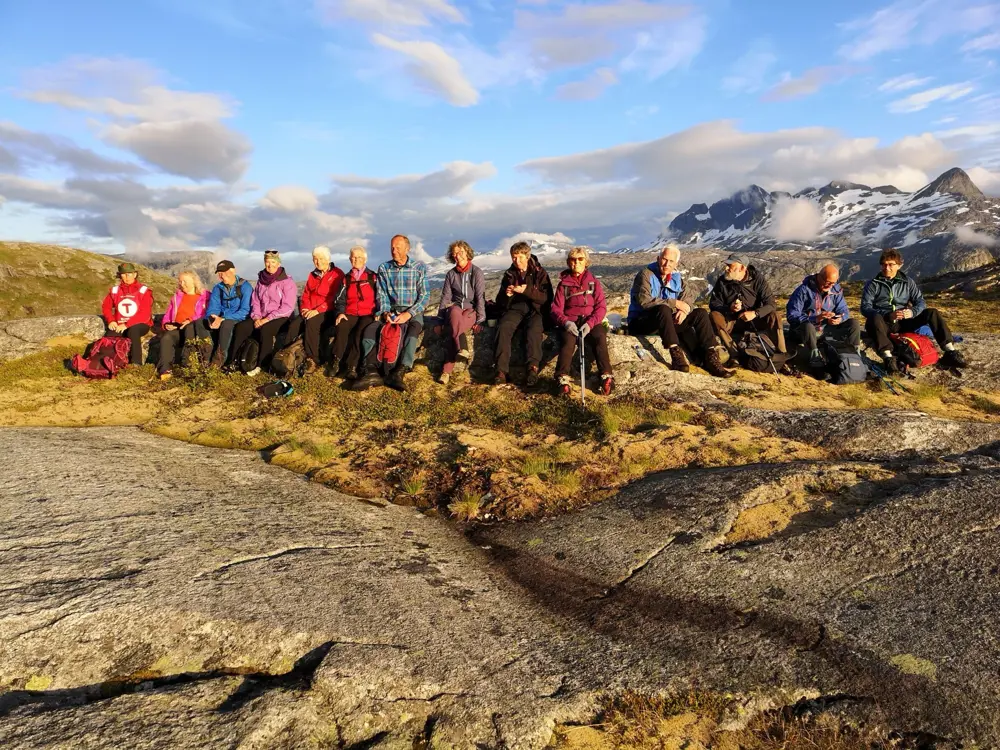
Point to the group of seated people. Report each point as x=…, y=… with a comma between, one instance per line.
x=353, y=308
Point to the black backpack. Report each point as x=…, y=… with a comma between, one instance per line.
x=246, y=356
x=751, y=354
x=844, y=364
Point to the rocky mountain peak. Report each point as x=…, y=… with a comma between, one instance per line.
x=954, y=182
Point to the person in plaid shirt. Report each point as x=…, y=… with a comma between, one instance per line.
x=402, y=297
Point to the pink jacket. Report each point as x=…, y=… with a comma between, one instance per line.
x=274, y=300
x=175, y=301
x=577, y=298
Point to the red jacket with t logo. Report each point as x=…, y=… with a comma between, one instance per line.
x=129, y=304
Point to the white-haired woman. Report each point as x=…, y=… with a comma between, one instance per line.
x=355, y=309
x=463, y=303
x=316, y=306
x=183, y=321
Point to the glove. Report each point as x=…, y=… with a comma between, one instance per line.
x=571, y=328
x=585, y=329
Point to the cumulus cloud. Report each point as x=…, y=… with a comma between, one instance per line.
x=987, y=180
x=923, y=99
x=179, y=131
x=290, y=198
x=435, y=70
x=969, y=236
x=27, y=149
x=810, y=82
x=589, y=88
x=903, y=83
x=795, y=219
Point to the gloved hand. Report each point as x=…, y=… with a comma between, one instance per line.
x=571, y=328
x=585, y=329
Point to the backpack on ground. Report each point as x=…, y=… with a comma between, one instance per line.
x=102, y=359
x=844, y=364
x=390, y=345
x=914, y=350
x=246, y=355
x=196, y=350
x=751, y=354
x=287, y=361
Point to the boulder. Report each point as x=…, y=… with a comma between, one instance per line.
x=19, y=338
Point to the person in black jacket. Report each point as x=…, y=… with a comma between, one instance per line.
x=742, y=300
x=525, y=296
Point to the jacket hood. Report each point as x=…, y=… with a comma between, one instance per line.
x=586, y=275
x=899, y=275
x=533, y=264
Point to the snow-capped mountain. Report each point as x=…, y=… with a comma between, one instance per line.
x=949, y=211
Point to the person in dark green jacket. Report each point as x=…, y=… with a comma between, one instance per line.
x=892, y=303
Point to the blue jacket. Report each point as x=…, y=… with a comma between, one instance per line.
x=648, y=290
x=882, y=296
x=230, y=303
x=807, y=301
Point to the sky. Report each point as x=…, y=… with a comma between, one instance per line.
x=239, y=125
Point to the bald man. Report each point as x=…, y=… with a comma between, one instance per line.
x=817, y=309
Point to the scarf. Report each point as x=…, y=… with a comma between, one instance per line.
x=463, y=269
x=266, y=278
x=356, y=273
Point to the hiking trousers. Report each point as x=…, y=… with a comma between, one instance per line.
x=312, y=335
x=347, y=339
x=222, y=337
x=848, y=330
x=598, y=337
x=731, y=330
x=457, y=320
x=879, y=327
x=411, y=339
x=134, y=334
x=196, y=329
x=695, y=333
x=266, y=335
x=510, y=321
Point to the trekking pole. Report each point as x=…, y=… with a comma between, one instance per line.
x=767, y=352
x=583, y=369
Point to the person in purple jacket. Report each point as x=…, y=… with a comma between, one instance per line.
x=463, y=305
x=271, y=305
x=578, y=308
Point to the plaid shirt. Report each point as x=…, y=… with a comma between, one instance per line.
x=402, y=288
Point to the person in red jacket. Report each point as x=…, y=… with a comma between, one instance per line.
x=128, y=310
x=316, y=306
x=578, y=309
x=355, y=308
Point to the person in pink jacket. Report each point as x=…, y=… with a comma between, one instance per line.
x=183, y=321
x=271, y=305
x=578, y=309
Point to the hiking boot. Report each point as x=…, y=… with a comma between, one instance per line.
x=713, y=363
x=395, y=379
x=332, y=367
x=217, y=360
x=366, y=380
x=564, y=386
x=309, y=367
x=445, y=377
x=532, y=380
x=678, y=361
x=254, y=372
x=891, y=365
x=607, y=385
x=500, y=378
x=954, y=358
x=351, y=374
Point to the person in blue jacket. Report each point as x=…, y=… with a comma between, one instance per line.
x=892, y=303
x=817, y=309
x=228, y=304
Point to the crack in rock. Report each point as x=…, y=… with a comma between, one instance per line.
x=430, y=699
x=634, y=570
x=281, y=553
x=114, y=575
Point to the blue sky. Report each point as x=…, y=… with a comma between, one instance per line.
x=235, y=125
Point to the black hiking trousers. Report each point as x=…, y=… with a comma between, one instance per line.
x=313, y=336
x=196, y=329
x=266, y=335
x=880, y=326
x=695, y=333
x=598, y=337
x=518, y=315
x=347, y=339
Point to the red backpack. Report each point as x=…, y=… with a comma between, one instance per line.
x=103, y=358
x=914, y=349
x=390, y=344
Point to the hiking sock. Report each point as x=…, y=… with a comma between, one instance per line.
x=814, y=353
x=949, y=347
x=887, y=354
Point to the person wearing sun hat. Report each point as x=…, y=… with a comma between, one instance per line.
x=271, y=305
x=128, y=309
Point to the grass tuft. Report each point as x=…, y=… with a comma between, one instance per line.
x=414, y=484
x=535, y=465
x=468, y=506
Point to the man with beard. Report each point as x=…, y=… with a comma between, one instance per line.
x=741, y=301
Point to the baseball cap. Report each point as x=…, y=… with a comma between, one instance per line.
x=127, y=268
x=224, y=265
x=737, y=258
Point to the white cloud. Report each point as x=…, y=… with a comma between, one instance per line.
x=435, y=71
x=750, y=70
x=903, y=83
x=794, y=219
x=983, y=43
x=986, y=180
x=290, y=198
x=970, y=236
x=26, y=149
x=810, y=82
x=589, y=88
x=662, y=50
x=390, y=12
x=923, y=99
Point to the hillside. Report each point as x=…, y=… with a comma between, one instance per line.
x=40, y=280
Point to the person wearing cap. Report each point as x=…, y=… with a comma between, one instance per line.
x=355, y=309
x=228, y=304
x=402, y=297
x=316, y=308
x=660, y=302
x=183, y=321
x=742, y=300
x=128, y=310
x=271, y=305
x=462, y=306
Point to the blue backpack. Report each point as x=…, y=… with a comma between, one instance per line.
x=845, y=365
